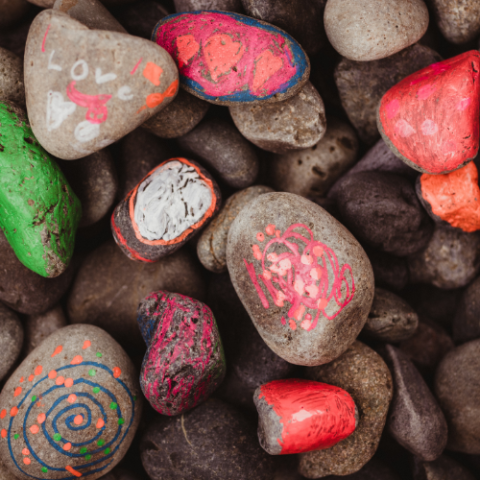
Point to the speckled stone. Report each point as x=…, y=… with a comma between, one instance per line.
x=11, y=11
x=374, y=29
x=294, y=124
x=466, y=323
x=365, y=376
x=443, y=468
x=212, y=244
x=458, y=20
x=109, y=287
x=223, y=151
x=391, y=318
x=39, y=327
x=11, y=339
x=178, y=118
x=451, y=259
x=81, y=370
x=361, y=85
x=11, y=78
x=300, y=321
x=457, y=387
x=312, y=171
x=215, y=441
x=415, y=420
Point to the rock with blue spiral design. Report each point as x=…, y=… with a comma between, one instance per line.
x=71, y=409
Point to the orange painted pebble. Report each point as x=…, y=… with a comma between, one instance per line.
x=52, y=374
x=100, y=423
x=116, y=372
x=57, y=350
x=71, y=398
x=3, y=433
x=13, y=411
x=67, y=446
x=34, y=429
x=3, y=413
x=38, y=370
x=77, y=359
x=78, y=420
x=41, y=418
x=59, y=380
x=86, y=344
x=69, y=382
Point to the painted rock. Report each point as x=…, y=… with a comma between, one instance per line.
x=386, y=26
x=442, y=468
x=11, y=339
x=296, y=416
x=453, y=198
x=224, y=151
x=280, y=127
x=39, y=327
x=11, y=78
x=40, y=212
x=184, y=363
x=305, y=281
x=431, y=118
x=167, y=208
x=226, y=58
x=212, y=244
x=79, y=101
x=71, y=409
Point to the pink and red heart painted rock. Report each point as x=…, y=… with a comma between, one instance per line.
x=227, y=58
x=431, y=118
x=297, y=416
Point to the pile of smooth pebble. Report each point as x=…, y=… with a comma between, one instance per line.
x=240, y=239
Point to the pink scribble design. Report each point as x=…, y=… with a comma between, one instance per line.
x=136, y=66
x=45, y=38
x=97, y=110
x=308, y=278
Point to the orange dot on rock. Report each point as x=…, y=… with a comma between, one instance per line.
x=69, y=382
x=13, y=411
x=270, y=229
x=38, y=370
x=71, y=398
x=100, y=423
x=27, y=461
x=78, y=420
x=52, y=374
x=41, y=418
x=3, y=433
x=67, y=446
x=86, y=344
x=116, y=372
x=31, y=377
x=22, y=379
x=34, y=429
x=3, y=413
x=57, y=350
x=25, y=451
x=59, y=380
x=17, y=391
x=77, y=359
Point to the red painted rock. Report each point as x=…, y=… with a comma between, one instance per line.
x=297, y=416
x=453, y=198
x=227, y=58
x=169, y=206
x=431, y=118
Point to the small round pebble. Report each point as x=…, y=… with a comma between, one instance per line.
x=11, y=339
x=293, y=124
x=466, y=323
x=11, y=78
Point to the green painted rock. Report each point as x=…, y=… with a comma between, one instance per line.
x=39, y=212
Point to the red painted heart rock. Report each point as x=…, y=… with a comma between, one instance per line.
x=431, y=118
x=453, y=198
x=296, y=416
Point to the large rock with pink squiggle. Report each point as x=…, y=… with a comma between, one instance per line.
x=305, y=281
x=184, y=363
x=226, y=58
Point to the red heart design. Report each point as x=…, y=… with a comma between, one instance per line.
x=431, y=118
x=266, y=65
x=221, y=54
x=187, y=47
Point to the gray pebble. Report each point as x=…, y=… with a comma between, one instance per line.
x=280, y=127
x=443, y=468
x=312, y=171
x=223, y=5
x=391, y=318
x=223, y=151
x=361, y=85
x=466, y=323
x=450, y=260
x=374, y=29
x=11, y=11
x=365, y=376
x=11, y=339
x=415, y=421
x=457, y=387
x=212, y=244
x=11, y=78
x=39, y=327
x=180, y=117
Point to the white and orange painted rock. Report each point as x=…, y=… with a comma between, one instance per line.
x=305, y=281
x=71, y=409
x=227, y=58
x=85, y=89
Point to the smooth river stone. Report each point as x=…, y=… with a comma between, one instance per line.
x=430, y=119
x=305, y=281
x=167, y=208
x=11, y=78
x=39, y=211
x=80, y=101
x=184, y=363
x=297, y=416
x=227, y=58
x=71, y=408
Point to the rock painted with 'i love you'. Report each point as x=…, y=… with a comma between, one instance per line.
x=85, y=89
x=227, y=58
x=184, y=363
x=430, y=119
x=297, y=416
x=303, y=278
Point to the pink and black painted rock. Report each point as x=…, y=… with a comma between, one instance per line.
x=297, y=416
x=227, y=58
x=305, y=281
x=184, y=363
x=169, y=206
x=431, y=118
